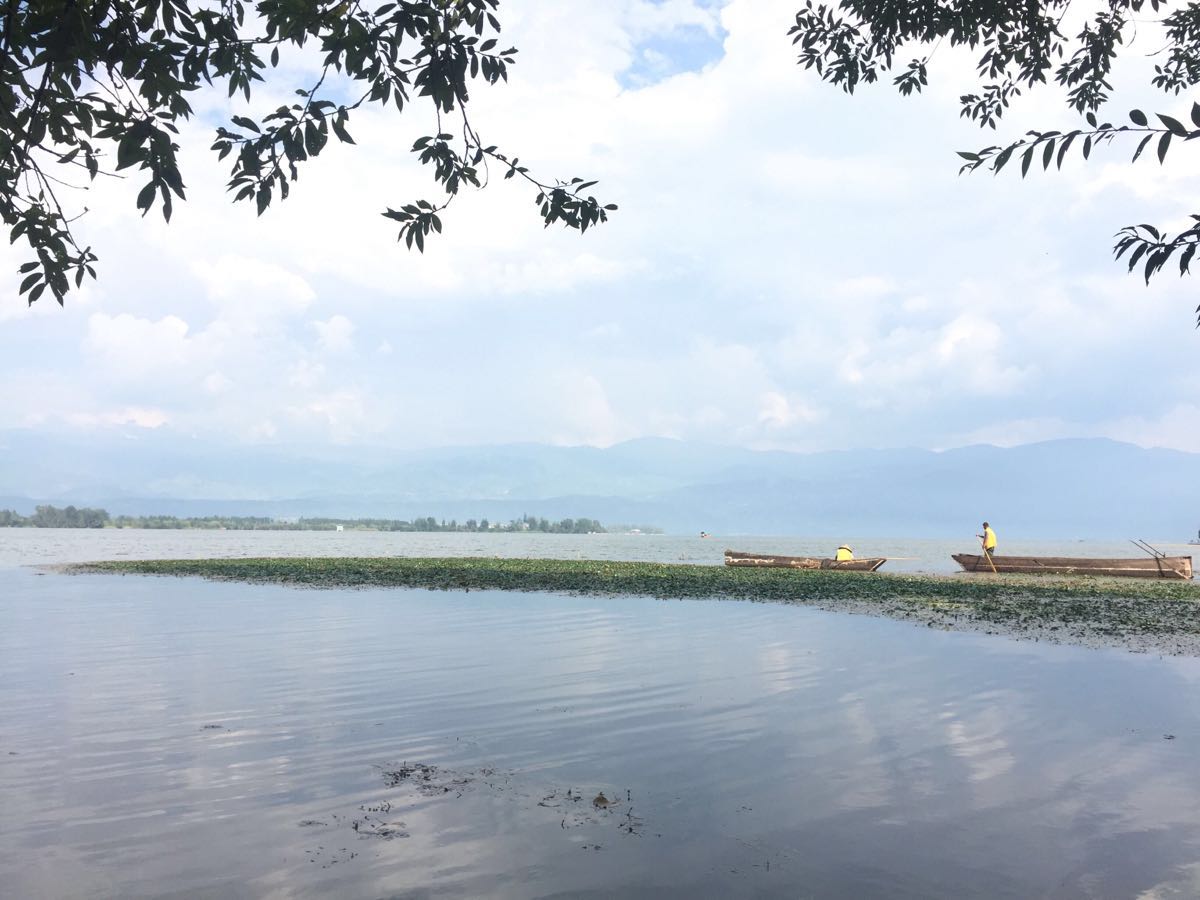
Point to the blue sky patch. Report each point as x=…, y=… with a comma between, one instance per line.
x=688, y=48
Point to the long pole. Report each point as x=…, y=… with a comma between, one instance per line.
x=1146, y=548
x=988, y=557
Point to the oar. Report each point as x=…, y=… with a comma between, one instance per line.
x=1146, y=548
x=1158, y=555
x=988, y=557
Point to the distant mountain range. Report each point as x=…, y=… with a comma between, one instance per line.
x=1055, y=489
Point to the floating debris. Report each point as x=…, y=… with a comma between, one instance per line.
x=630, y=824
x=378, y=828
x=431, y=780
x=376, y=819
x=329, y=858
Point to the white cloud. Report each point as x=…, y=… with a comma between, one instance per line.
x=264, y=431
x=777, y=411
x=343, y=415
x=138, y=417
x=252, y=297
x=217, y=383
x=870, y=287
x=789, y=266
x=1177, y=427
x=305, y=374
x=133, y=347
x=335, y=334
x=587, y=416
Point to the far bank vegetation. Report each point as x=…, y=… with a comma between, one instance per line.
x=86, y=517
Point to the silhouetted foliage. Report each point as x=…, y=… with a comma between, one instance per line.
x=99, y=87
x=1020, y=46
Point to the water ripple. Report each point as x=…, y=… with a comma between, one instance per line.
x=176, y=737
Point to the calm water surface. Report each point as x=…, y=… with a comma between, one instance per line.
x=167, y=737
x=22, y=546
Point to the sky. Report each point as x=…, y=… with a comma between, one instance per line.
x=790, y=268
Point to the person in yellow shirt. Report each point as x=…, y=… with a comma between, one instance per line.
x=988, y=538
x=844, y=554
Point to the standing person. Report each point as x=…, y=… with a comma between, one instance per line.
x=988, y=539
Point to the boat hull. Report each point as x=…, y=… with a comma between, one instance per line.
x=1179, y=567
x=772, y=561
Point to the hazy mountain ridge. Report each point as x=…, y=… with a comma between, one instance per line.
x=1066, y=488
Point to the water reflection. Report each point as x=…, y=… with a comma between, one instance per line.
x=163, y=737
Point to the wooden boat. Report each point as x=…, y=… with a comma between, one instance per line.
x=1145, y=567
x=770, y=561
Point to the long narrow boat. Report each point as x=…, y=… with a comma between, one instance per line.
x=770, y=561
x=1147, y=567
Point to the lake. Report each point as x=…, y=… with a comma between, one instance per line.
x=179, y=738
x=24, y=546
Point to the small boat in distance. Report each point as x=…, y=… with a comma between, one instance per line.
x=1148, y=567
x=771, y=561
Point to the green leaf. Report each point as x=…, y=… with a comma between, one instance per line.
x=1185, y=261
x=1174, y=125
x=246, y=123
x=129, y=151
x=1142, y=146
x=145, y=197
x=1138, y=117
x=340, y=130
x=1163, y=143
x=1063, y=147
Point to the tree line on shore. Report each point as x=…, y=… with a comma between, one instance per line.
x=86, y=517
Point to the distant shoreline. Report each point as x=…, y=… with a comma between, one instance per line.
x=84, y=517
x=1137, y=615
